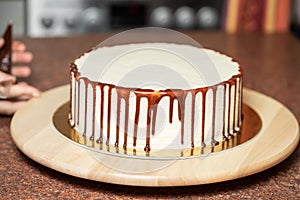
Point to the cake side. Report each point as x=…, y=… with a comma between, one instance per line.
x=131, y=117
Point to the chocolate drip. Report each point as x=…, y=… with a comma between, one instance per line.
x=85, y=105
x=100, y=139
x=73, y=73
x=108, y=112
x=71, y=100
x=126, y=122
x=171, y=109
x=240, y=102
x=213, y=141
x=147, y=147
x=136, y=119
x=234, y=106
x=153, y=99
x=118, y=121
x=154, y=113
x=204, y=92
x=192, y=152
x=122, y=94
x=6, y=50
x=224, y=112
x=229, y=113
x=78, y=100
x=193, y=119
x=181, y=96
x=94, y=111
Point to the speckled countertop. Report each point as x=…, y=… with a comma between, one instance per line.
x=271, y=65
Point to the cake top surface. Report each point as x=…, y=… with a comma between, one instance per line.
x=157, y=66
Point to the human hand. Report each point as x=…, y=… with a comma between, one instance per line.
x=12, y=95
x=19, y=56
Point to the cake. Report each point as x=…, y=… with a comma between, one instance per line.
x=141, y=115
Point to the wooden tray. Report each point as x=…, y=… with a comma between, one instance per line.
x=35, y=135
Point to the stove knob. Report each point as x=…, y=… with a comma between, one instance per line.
x=161, y=16
x=94, y=18
x=71, y=21
x=208, y=17
x=47, y=22
x=185, y=17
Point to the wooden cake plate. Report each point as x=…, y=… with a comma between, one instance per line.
x=35, y=135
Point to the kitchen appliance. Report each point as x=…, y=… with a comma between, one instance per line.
x=65, y=17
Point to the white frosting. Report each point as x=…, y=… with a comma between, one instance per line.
x=131, y=57
x=157, y=66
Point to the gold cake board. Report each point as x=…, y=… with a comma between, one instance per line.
x=33, y=132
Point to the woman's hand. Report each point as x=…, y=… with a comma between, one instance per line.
x=12, y=95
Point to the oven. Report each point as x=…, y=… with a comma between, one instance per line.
x=65, y=17
x=41, y=18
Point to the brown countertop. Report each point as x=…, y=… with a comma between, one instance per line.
x=271, y=65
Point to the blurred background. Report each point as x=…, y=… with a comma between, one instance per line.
x=50, y=18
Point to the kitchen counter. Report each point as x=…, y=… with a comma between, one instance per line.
x=271, y=65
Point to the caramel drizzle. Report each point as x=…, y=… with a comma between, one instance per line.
x=204, y=92
x=73, y=72
x=214, y=96
x=71, y=120
x=193, y=119
x=100, y=140
x=85, y=105
x=152, y=107
x=108, y=113
x=224, y=112
x=94, y=111
x=153, y=99
x=234, y=106
x=240, y=101
x=122, y=94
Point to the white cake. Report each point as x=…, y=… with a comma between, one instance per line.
x=113, y=102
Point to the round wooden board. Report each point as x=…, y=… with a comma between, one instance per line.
x=35, y=135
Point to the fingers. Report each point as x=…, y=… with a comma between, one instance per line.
x=21, y=71
x=10, y=107
x=1, y=42
x=6, y=82
x=22, y=57
x=18, y=93
x=23, y=91
x=6, y=77
x=18, y=46
x=17, y=97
